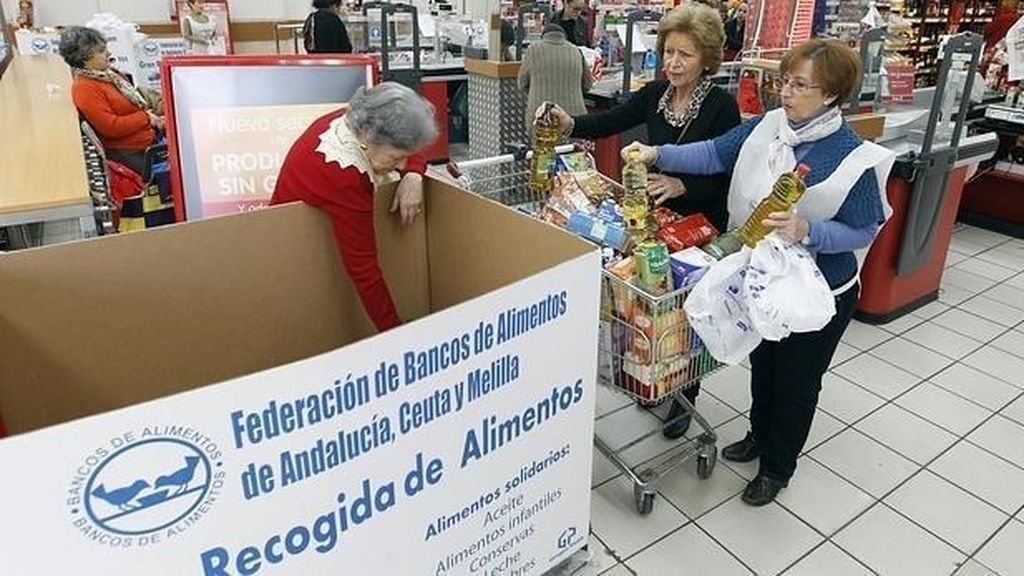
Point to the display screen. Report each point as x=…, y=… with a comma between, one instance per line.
x=235, y=125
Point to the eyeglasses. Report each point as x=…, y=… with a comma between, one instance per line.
x=797, y=85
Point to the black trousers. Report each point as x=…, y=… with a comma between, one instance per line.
x=784, y=384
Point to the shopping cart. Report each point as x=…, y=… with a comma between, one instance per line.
x=648, y=351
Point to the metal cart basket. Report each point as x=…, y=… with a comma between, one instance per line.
x=648, y=351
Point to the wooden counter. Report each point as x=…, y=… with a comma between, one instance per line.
x=42, y=166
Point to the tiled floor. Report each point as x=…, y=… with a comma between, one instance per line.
x=915, y=465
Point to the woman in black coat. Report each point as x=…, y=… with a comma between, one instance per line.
x=686, y=107
x=324, y=32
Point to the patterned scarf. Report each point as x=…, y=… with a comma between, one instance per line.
x=692, y=109
x=120, y=82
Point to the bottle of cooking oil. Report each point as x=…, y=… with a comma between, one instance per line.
x=545, y=136
x=636, y=210
x=786, y=191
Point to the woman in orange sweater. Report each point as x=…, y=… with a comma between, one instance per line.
x=126, y=118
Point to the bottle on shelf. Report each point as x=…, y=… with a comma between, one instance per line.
x=545, y=136
x=636, y=208
x=786, y=191
x=650, y=65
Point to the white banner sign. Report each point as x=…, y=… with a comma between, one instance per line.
x=457, y=444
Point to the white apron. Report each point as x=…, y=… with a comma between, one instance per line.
x=753, y=177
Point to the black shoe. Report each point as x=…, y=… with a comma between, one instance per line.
x=678, y=421
x=762, y=490
x=745, y=450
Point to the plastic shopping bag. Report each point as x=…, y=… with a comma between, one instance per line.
x=717, y=310
x=785, y=290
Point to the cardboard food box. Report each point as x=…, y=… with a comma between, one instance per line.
x=210, y=399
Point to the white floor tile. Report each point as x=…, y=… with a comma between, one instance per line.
x=1003, y=258
x=970, y=325
x=988, y=477
x=843, y=353
x=828, y=559
x=615, y=520
x=602, y=468
x=609, y=401
x=864, y=336
x=714, y=410
x=822, y=498
x=823, y=427
x=966, y=247
x=973, y=568
x=947, y=511
x=695, y=496
x=730, y=432
x=976, y=386
x=1012, y=342
x=766, y=538
x=997, y=312
x=984, y=269
x=1002, y=365
x=943, y=408
x=732, y=386
x=892, y=545
x=1017, y=281
x=930, y=310
x=620, y=570
x=625, y=426
x=687, y=551
x=969, y=281
x=845, y=400
x=1015, y=411
x=951, y=295
x=979, y=236
x=878, y=376
x=864, y=462
x=1002, y=437
x=942, y=340
x=901, y=324
x=1006, y=294
x=1004, y=553
x=911, y=357
x=953, y=258
x=907, y=434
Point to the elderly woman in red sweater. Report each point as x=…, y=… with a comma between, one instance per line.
x=126, y=118
x=337, y=164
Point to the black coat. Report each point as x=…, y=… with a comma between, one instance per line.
x=718, y=114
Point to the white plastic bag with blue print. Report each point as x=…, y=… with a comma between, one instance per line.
x=785, y=290
x=717, y=310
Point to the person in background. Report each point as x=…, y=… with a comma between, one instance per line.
x=837, y=218
x=508, y=40
x=324, y=32
x=337, y=164
x=1005, y=17
x=570, y=18
x=200, y=30
x=127, y=119
x=685, y=107
x=734, y=29
x=554, y=70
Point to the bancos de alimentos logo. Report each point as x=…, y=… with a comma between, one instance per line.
x=142, y=488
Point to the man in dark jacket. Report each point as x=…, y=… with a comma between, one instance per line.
x=570, y=18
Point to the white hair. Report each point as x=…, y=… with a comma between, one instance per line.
x=390, y=114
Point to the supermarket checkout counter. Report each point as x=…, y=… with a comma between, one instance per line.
x=904, y=269
x=994, y=199
x=40, y=127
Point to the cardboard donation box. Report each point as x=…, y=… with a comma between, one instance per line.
x=210, y=399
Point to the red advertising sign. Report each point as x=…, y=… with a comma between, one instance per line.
x=901, y=82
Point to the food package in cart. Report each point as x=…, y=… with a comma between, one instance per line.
x=688, y=266
x=661, y=331
x=653, y=381
x=564, y=189
x=665, y=216
x=574, y=162
x=598, y=231
x=692, y=230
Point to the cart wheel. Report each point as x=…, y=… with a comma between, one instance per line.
x=706, y=461
x=644, y=502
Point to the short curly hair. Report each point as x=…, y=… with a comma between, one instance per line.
x=78, y=44
x=703, y=25
x=392, y=114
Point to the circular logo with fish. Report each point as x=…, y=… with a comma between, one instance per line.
x=147, y=486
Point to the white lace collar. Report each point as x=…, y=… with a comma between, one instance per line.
x=339, y=144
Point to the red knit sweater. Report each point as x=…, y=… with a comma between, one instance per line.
x=347, y=195
x=120, y=124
